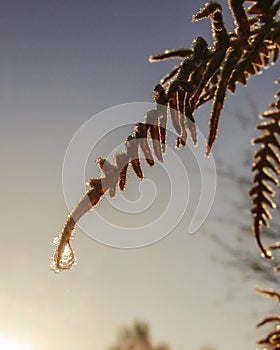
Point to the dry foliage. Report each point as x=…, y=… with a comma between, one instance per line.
x=266, y=166
x=205, y=74
x=272, y=339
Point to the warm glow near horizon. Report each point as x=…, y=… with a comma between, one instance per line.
x=8, y=343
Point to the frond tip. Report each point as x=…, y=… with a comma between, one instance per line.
x=64, y=256
x=267, y=168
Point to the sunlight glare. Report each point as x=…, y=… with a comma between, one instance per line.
x=7, y=343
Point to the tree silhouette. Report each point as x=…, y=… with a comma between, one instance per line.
x=136, y=338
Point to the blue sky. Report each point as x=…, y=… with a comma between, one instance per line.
x=61, y=62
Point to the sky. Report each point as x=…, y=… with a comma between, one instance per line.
x=62, y=62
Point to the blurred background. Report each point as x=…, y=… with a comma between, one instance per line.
x=61, y=62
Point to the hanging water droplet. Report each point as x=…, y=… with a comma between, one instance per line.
x=67, y=258
x=64, y=260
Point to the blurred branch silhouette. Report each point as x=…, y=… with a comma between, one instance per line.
x=136, y=338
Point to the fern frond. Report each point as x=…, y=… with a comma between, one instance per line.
x=267, y=168
x=114, y=175
x=205, y=74
x=235, y=56
x=272, y=339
